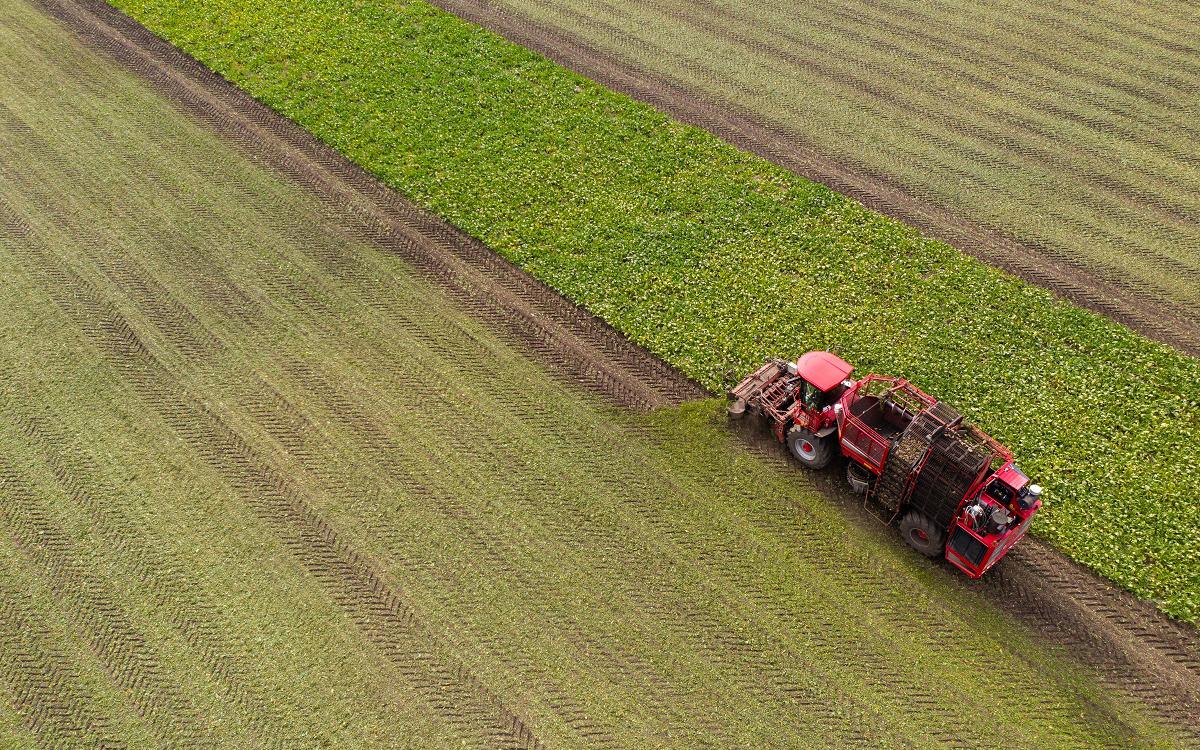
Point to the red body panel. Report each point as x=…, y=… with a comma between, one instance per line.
x=996, y=544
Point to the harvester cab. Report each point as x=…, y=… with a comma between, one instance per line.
x=953, y=489
x=823, y=376
x=798, y=398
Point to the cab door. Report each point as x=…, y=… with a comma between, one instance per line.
x=803, y=412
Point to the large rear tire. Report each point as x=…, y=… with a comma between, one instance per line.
x=920, y=534
x=810, y=450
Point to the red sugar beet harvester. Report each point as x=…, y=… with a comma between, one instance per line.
x=953, y=488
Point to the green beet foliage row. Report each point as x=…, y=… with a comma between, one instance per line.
x=715, y=259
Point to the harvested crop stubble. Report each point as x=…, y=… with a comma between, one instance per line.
x=715, y=259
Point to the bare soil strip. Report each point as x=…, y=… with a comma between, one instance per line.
x=1127, y=302
x=1140, y=650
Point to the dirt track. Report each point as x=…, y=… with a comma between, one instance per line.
x=1137, y=306
x=1141, y=652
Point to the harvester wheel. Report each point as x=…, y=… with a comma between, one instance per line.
x=920, y=534
x=810, y=450
x=858, y=477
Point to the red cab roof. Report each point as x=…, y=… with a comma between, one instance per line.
x=823, y=370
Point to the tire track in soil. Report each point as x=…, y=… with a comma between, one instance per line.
x=180, y=327
x=440, y=253
x=373, y=441
x=43, y=683
x=752, y=668
x=1125, y=196
x=572, y=341
x=497, y=555
x=11, y=224
x=353, y=583
x=1127, y=302
x=803, y=534
x=1121, y=31
x=350, y=579
x=196, y=618
x=1138, y=649
x=119, y=647
x=1112, y=628
x=278, y=417
x=284, y=422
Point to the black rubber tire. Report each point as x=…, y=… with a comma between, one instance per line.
x=919, y=533
x=810, y=450
x=858, y=478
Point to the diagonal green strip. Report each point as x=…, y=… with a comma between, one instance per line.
x=715, y=259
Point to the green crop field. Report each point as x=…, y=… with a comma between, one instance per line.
x=716, y=259
x=263, y=485
x=1069, y=126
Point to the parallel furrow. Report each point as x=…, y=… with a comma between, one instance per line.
x=123, y=651
x=351, y=580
